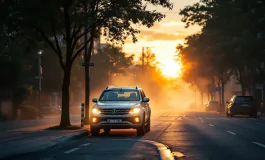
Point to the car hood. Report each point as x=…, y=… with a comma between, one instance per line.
x=117, y=104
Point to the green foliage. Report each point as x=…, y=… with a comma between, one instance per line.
x=228, y=42
x=21, y=93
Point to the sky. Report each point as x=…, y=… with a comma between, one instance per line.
x=165, y=35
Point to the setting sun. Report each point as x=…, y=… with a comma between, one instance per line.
x=170, y=68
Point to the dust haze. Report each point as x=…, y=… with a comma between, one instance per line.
x=163, y=98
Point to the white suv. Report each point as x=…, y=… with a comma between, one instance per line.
x=121, y=108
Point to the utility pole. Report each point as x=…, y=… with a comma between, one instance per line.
x=142, y=61
x=39, y=78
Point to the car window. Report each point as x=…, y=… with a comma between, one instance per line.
x=120, y=95
x=243, y=99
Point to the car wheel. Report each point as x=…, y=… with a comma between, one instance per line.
x=94, y=131
x=106, y=130
x=148, y=126
x=141, y=129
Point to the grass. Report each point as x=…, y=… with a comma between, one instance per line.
x=57, y=127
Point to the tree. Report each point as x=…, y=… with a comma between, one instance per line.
x=63, y=21
x=230, y=46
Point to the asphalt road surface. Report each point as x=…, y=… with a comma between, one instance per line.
x=191, y=136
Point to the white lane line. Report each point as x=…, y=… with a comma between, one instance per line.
x=202, y=121
x=231, y=132
x=71, y=150
x=259, y=144
x=86, y=144
x=200, y=117
x=211, y=125
x=213, y=118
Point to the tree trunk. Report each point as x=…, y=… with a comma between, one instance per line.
x=201, y=99
x=243, y=92
x=87, y=79
x=223, y=96
x=65, y=117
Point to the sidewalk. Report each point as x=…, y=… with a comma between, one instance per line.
x=15, y=124
x=32, y=139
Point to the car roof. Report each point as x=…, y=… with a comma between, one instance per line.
x=122, y=87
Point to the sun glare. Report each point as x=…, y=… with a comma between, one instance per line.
x=171, y=68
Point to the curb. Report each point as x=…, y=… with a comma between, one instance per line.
x=164, y=151
x=49, y=145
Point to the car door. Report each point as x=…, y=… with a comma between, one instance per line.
x=145, y=105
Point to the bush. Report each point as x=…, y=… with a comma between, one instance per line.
x=28, y=112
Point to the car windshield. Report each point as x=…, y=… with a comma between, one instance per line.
x=120, y=95
x=242, y=99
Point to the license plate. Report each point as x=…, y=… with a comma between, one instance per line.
x=114, y=120
x=244, y=105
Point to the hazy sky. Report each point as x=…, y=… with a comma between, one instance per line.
x=165, y=35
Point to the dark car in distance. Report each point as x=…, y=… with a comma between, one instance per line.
x=241, y=105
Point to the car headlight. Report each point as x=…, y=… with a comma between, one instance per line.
x=135, y=110
x=96, y=110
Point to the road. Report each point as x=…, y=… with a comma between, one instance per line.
x=191, y=136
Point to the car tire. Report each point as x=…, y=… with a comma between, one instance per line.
x=148, y=126
x=106, y=130
x=94, y=131
x=141, y=129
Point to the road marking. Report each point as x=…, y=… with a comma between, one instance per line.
x=258, y=123
x=86, y=144
x=202, y=121
x=71, y=150
x=211, y=125
x=213, y=118
x=231, y=132
x=259, y=144
x=173, y=122
x=200, y=117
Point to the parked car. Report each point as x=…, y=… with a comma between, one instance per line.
x=212, y=106
x=121, y=108
x=241, y=105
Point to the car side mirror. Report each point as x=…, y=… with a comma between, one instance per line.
x=146, y=99
x=95, y=100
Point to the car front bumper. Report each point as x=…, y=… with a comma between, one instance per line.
x=127, y=121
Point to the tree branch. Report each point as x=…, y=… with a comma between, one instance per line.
x=81, y=49
x=59, y=54
x=55, y=37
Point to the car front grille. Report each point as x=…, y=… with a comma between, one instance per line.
x=115, y=111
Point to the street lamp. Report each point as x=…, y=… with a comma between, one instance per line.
x=40, y=52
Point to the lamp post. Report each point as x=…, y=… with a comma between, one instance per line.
x=40, y=52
